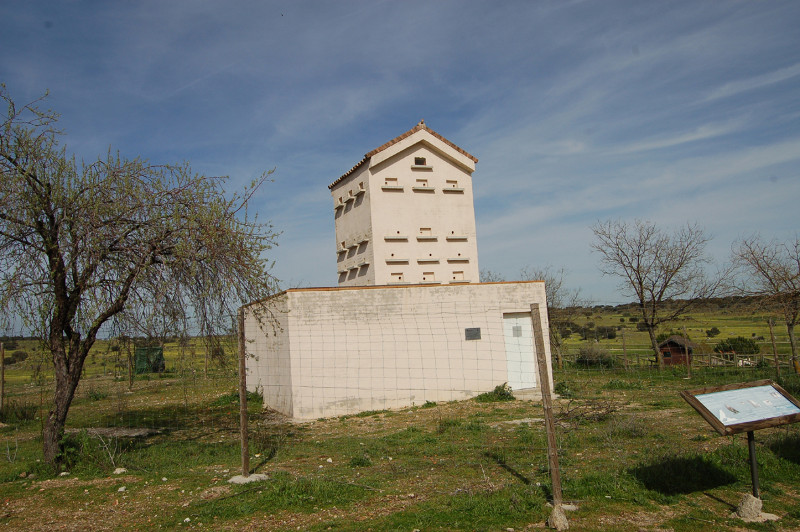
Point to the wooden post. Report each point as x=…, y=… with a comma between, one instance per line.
x=624, y=351
x=557, y=520
x=686, y=354
x=2, y=376
x=131, y=362
x=243, y=398
x=774, y=349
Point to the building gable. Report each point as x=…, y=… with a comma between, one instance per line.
x=419, y=133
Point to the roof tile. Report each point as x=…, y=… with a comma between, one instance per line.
x=420, y=126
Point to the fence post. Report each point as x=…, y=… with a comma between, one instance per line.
x=243, y=397
x=770, y=322
x=687, y=354
x=557, y=518
x=2, y=376
x=624, y=351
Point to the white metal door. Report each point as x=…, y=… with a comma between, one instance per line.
x=518, y=332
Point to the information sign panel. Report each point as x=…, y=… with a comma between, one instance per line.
x=744, y=407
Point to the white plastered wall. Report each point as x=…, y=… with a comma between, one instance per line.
x=345, y=350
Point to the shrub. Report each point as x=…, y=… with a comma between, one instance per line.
x=9, y=344
x=96, y=395
x=664, y=335
x=606, y=332
x=17, y=412
x=445, y=424
x=233, y=398
x=633, y=319
x=739, y=345
x=360, y=461
x=712, y=332
x=16, y=356
x=563, y=390
x=641, y=326
x=501, y=392
x=594, y=356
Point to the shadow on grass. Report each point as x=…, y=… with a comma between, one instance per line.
x=674, y=476
x=172, y=417
x=787, y=447
x=501, y=461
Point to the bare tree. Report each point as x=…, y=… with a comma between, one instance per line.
x=664, y=272
x=562, y=303
x=490, y=276
x=78, y=243
x=772, y=270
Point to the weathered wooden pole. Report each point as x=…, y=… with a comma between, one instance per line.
x=557, y=518
x=2, y=376
x=774, y=349
x=686, y=354
x=624, y=351
x=243, y=397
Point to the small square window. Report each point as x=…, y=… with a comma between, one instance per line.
x=419, y=161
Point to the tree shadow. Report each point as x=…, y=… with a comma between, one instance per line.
x=501, y=461
x=674, y=476
x=786, y=447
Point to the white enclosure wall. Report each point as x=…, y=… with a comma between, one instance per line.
x=337, y=351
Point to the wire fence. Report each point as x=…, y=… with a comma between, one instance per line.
x=624, y=435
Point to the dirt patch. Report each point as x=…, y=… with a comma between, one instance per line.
x=215, y=492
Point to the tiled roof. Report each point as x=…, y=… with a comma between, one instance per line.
x=395, y=140
x=679, y=340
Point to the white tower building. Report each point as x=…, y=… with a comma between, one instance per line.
x=404, y=214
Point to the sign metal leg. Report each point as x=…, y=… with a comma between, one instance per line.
x=751, y=444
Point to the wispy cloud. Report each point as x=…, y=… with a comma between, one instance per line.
x=754, y=82
x=576, y=110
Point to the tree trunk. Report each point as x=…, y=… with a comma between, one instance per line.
x=654, y=343
x=53, y=431
x=67, y=366
x=793, y=343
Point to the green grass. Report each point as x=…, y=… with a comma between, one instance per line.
x=455, y=466
x=732, y=322
x=633, y=454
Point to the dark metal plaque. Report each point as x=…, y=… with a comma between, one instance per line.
x=473, y=333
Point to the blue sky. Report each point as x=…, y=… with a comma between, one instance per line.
x=577, y=111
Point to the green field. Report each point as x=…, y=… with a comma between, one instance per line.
x=731, y=322
x=634, y=456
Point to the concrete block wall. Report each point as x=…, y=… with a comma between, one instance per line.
x=340, y=351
